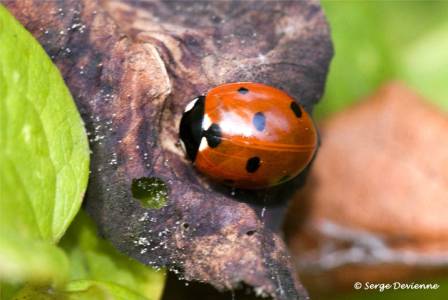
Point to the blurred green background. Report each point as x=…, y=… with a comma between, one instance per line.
x=379, y=41
x=376, y=42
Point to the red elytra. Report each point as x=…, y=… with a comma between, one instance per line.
x=248, y=135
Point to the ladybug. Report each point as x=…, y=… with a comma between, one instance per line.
x=248, y=135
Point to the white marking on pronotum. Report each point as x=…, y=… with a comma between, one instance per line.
x=206, y=122
x=203, y=145
x=191, y=104
x=182, y=145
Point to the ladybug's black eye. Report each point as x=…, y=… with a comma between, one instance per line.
x=190, y=131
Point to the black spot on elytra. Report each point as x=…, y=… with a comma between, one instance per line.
x=213, y=135
x=253, y=164
x=259, y=121
x=243, y=90
x=296, y=109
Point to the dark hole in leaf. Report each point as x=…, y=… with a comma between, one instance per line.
x=250, y=232
x=151, y=191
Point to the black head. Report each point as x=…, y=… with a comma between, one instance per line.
x=190, y=131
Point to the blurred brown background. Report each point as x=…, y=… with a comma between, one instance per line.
x=375, y=206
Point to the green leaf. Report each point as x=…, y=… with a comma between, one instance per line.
x=96, y=259
x=43, y=142
x=44, y=150
x=44, y=158
x=80, y=290
x=97, y=270
x=88, y=289
x=31, y=260
x=8, y=290
x=35, y=293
